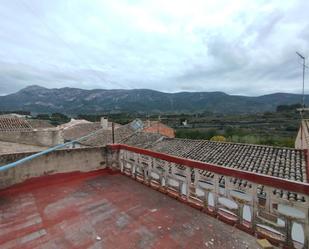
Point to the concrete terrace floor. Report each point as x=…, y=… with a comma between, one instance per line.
x=106, y=210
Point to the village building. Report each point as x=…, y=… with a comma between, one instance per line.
x=9, y=123
x=146, y=132
x=19, y=134
x=158, y=127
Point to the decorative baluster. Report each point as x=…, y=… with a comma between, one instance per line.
x=264, y=201
x=216, y=192
x=306, y=232
x=254, y=206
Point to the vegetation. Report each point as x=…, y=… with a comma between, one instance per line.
x=195, y=134
x=55, y=118
x=278, y=128
x=218, y=138
x=26, y=113
x=120, y=118
x=59, y=118
x=288, y=108
x=237, y=136
x=270, y=128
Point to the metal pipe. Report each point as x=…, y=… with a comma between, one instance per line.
x=304, y=65
x=113, y=132
x=44, y=152
x=303, y=90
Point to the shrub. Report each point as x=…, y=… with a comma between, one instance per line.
x=218, y=138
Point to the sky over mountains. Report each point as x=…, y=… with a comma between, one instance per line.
x=239, y=47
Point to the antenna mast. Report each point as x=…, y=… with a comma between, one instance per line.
x=304, y=65
x=302, y=109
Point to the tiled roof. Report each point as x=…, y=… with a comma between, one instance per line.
x=72, y=123
x=274, y=161
x=153, y=123
x=104, y=137
x=12, y=123
x=142, y=139
x=279, y=162
x=79, y=130
x=40, y=124
x=158, y=127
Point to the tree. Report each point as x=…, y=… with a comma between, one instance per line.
x=59, y=118
x=44, y=116
x=218, y=138
x=287, y=108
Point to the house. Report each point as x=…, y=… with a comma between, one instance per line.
x=26, y=134
x=9, y=123
x=79, y=128
x=158, y=127
x=106, y=136
x=72, y=123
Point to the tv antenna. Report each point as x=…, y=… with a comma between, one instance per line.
x=303, y=108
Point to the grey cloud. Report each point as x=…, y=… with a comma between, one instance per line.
x=147, y=44
x=16, y=76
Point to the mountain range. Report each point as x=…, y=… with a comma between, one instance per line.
x=79, y=101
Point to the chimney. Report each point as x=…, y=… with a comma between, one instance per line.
x=104, y=123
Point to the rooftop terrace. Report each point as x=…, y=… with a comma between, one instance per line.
x=101, y=209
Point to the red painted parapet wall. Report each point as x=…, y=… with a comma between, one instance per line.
x=275, y=182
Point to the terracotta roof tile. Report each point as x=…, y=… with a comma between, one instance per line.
x=142, y=139
x=12, y=123
x=79, y=130
x=104, y=137
x=285, y=163
x=279, y=162
x=39, y=124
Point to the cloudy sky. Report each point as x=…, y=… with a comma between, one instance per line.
x=239, y=47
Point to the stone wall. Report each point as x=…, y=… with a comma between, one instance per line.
x=59, y=161
x=46, y=137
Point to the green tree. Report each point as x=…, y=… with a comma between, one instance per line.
x=218, y=138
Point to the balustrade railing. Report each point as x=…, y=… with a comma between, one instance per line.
x=262, y=205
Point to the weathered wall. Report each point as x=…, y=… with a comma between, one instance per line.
x=46, y=137
x=9, y=147
x=60, y=161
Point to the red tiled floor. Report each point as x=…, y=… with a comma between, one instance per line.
x=104, y=210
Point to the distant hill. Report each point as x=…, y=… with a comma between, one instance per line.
x=78, y=101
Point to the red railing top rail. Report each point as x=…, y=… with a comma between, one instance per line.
x=271, y=181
